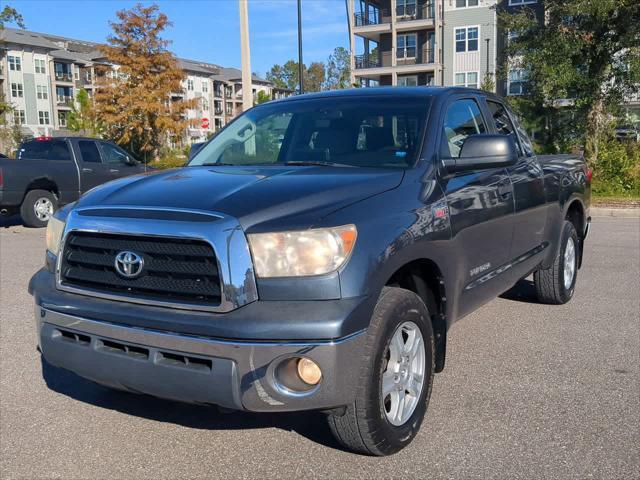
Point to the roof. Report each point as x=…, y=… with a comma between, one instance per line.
x=197, y=66
x=235, y=75
x=388, y=91
x=12, y=35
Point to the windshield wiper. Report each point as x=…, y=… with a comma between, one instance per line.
x=318, y=163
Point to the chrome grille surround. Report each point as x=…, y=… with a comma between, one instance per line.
x=223, y=233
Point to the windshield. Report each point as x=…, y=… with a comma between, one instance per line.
x=371, y=131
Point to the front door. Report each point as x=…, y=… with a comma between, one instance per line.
x=529, y=195
x=480, y=208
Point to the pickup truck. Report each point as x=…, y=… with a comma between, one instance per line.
x=312, y=256
x=51, y=172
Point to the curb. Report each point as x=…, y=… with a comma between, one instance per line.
x=615, y=212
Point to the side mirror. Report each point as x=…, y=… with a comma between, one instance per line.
x=481, y=152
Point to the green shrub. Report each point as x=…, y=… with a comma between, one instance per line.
x=171, y=159
x=617, y=171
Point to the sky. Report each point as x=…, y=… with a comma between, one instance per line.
x=206, y=30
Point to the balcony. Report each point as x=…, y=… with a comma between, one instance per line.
x=374, y=17
x=425, y=11
x=64, y=100
x=63, y=77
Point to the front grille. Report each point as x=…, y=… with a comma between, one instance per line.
x=175, y=270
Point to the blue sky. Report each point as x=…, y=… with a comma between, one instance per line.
x=206, y=29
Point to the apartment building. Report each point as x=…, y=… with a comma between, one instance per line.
x=40, y=75
x=395, y=42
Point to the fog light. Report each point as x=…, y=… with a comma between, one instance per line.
x=309, y=371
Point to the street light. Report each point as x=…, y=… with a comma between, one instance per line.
x=300, y=64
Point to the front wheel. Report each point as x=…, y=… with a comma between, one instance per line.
x=555, y=285
x=395, y=381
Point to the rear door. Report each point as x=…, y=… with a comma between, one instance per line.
x=480, y=204
x=92, y=169
x=528, y=189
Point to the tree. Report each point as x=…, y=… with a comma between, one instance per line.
x=585, y=51
x=287, y=76
x=10, y=135
x=488, y=83
x=314, y=77
x=338, y=70
x=82, y=117
x=262, y=97
x=134, y=101
x=10, y=15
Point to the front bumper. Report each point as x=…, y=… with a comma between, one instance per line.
x=233, y=374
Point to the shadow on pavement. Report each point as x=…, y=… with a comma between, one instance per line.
x=523, y=291
x=311, y=425
x=10, y=221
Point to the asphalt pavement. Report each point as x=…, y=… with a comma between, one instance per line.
x=529, y=391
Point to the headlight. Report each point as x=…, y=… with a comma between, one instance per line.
x=55, y=227
x=304, y=253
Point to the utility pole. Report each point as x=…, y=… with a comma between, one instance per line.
x=247, y=89
x=300, y=64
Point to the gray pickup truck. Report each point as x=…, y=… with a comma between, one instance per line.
x=312, y=256
x=51, y=172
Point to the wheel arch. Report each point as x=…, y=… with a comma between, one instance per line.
x=424, y=277
x=42, y=183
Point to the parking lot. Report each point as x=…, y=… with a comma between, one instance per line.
x=529, y=391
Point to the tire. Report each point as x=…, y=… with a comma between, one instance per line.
x=556, y=284
x=34, y=205
x=365, y=426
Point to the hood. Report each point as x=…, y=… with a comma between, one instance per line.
x=261, y=198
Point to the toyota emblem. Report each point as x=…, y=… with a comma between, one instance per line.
x=129, y=264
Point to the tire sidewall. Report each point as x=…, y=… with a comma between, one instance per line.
x=27, y=210
x=568, y=232
x=393, y=315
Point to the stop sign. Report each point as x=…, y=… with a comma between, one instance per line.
x=205, y=123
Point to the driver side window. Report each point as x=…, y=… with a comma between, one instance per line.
x=113, y=155
x=463, y=119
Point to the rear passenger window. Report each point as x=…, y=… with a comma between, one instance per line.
x=44, y=150
x=503, y=123
x=462, y=120
x=89, y=151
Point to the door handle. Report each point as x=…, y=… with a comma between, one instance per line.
x=113, y=170
x=87, y=169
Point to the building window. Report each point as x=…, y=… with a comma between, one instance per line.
x=205, y=86
x=516, y=81
x=467, y=79
x=189, y=84
x=229, y=108
x=407, y=45
x=205, y=104
x=466, y=3
x=42, y=93
x=408, y=81
x=40, y=65
x=19, y=117
x=15, y=63
x=43, y=118
x=76, y=73
x=521, y=2
x=467, y=39
x=16, y=90
x=62, y=119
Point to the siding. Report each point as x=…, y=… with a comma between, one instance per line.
x=485, y=19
